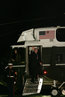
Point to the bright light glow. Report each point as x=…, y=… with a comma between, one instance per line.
x=45, y=72
x=46, y=96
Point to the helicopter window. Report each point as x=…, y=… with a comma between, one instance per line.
x=60, y=34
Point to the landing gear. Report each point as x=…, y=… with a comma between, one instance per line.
x=63, y=91
x=54, y=92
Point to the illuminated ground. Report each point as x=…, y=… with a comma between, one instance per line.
x=27, y=96
x=32, y=96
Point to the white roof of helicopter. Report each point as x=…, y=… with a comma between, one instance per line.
x=27, y=37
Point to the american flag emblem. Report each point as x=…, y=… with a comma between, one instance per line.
x=47, y=34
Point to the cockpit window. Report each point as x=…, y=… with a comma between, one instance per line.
x=60, y=34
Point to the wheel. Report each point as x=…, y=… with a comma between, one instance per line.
x=63, y=91
x=55, y=92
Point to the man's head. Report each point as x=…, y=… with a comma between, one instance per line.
x=33, y=48
x=36, y=50
x=10, y=65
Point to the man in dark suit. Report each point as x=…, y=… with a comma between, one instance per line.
x=35, y=64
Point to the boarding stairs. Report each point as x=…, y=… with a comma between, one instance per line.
x=32, y=88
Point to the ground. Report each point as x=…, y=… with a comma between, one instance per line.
x=31, y=96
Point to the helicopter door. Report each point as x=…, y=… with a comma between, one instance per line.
x=31, y=49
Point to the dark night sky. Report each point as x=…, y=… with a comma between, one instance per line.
x=29, y=10
x=17, y=16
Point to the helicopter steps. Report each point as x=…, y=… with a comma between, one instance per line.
x=32, y=88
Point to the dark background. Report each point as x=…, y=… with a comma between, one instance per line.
x=16, y=16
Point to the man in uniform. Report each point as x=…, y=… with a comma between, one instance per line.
x=10, y=75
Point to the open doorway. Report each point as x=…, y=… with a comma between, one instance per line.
x=30, y=53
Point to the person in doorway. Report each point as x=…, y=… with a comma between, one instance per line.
x=35, y=64
x=16, y=57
